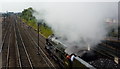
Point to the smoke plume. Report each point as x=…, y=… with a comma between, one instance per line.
x=78, y=23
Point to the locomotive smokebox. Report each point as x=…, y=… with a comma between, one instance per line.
x=88, y=56
x=82, y=52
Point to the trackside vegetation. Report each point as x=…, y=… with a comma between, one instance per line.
x=28, y=18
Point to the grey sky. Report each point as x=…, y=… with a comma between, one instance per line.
x=59, y=0
x=19, y=5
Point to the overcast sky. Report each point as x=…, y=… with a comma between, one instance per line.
x=59, y=0
x=19, y=5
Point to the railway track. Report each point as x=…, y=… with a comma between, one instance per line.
x=111, y=44
x=42, y=40
x=5, y=46
x=33, y=44
x=14, y=53
x=5, y=28
x=113, y=39
x=110, y=48
x=20, y=50
x=18, y=53
x=36, y=61
x=24, y=58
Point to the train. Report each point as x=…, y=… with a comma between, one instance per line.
x=56, y=50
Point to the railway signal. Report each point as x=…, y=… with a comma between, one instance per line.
x=38, y=35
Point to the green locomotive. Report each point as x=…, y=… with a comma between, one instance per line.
x=57, y=51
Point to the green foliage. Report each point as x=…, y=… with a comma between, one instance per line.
x=46, y=31
x=27, y=17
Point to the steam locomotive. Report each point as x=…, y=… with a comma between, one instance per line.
x=56, y=50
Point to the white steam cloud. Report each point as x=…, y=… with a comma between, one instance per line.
x=78, y=23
